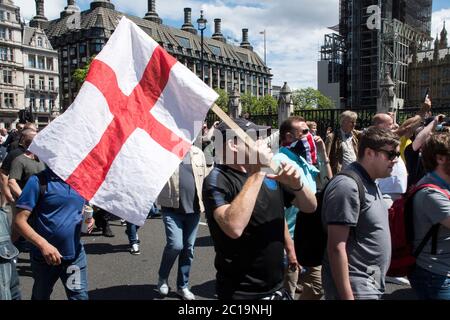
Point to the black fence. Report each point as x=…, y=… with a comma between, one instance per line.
x=329, y=118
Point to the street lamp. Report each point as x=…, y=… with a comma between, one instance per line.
x=202, y=26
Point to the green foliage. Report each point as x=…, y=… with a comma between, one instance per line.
x=80, y=74
x=311, y=98
x=268, y=103
x=260, y=105
x=223, y=99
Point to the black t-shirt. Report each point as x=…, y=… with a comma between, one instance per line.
x=6, y=165
x=414, y=165
x=251, y=266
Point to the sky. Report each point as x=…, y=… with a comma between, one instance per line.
x=294, y=29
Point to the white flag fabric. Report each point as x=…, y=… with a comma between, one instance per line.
x=130, y=126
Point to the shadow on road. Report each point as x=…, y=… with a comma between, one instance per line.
x=205, y=290
x=105, y=248
x=205, y=241
x=132, y=292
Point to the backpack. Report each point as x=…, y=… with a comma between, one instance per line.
x=310, y=238
x=402, y=233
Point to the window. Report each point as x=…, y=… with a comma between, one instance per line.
x=51, y=84
x=3, y=32
x=7, y=76
x=6, y=54
x=41, y=62
x=50, y=64
x=39, y=42
x=82, y=49
x=41, y=83
x=32, y=61
x=425, y=75
x=51, y=104
x=215, y=50
x=42, y=103
x=32, y=101
x=31, y=82
x=2, y=15
x=184, y=42
x=446, y=90
x=96, y=46
x=8, y=100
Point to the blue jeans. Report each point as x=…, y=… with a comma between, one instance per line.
x=181, y=231
x=429, y=285
x=132, y=233
x=9, y=279
x=73, y=274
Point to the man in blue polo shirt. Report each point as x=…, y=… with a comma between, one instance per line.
x=54, y=230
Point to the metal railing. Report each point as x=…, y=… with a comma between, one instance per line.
x=330, y=118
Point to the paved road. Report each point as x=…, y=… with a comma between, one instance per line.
x=116, y=274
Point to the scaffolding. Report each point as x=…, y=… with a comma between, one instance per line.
x=396, y=41
x=370, y=53
x=333, y=51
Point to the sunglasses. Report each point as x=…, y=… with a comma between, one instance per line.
x=304, y=131
x=391, y=155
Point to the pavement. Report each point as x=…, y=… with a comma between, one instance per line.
x=115, y=274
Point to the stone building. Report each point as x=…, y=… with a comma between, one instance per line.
x=430, y=69
x=79, y=35
x=11, y=64
x=29, y=77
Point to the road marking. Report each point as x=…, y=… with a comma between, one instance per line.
x=203, y=223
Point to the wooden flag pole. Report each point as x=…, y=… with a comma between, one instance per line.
x=240, y=133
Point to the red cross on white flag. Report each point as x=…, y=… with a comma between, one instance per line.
x=130, y=126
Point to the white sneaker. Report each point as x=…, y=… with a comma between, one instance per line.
x=398, y=280
x=135, y=249
x=163, y=287
x=186, y=294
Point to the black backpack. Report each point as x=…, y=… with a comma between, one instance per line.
x=310, y=238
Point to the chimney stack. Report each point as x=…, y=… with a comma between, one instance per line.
x=39, y=21
x=70, y=9
x=218, y=31
x=102, y=4
x=188, y=26
x=151, y=15
x=245, y=44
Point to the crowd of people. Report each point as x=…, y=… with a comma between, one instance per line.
x=349, y=178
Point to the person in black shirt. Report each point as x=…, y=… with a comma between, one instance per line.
x=245, y=212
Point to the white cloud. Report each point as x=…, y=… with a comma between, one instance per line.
x=437, y=21
x=295, y=29
x=52, y=8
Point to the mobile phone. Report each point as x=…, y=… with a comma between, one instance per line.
x=427, y=93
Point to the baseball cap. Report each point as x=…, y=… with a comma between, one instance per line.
x=246, y=126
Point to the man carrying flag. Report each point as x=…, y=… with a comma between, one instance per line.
x=138, y=113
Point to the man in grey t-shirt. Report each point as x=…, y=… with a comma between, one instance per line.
x=431, y=276
x=359, y=243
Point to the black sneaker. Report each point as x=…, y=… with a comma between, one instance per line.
x=107, y=232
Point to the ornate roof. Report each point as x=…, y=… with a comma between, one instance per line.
x=174, y=40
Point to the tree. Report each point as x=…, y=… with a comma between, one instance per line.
x=223, y=99
x=311, y=98
x=80, y=74
x=267, y=103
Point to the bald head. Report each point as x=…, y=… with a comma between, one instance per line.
x=383, y=121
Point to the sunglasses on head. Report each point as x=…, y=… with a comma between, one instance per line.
x=391, y=155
